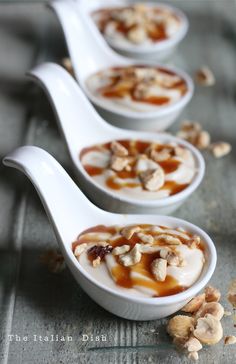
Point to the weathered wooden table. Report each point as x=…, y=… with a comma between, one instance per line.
x=34, y=301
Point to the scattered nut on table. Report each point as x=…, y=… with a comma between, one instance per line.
x=230, y=340
x=208, y=330
x=180, y=326
x=220, y=149
x=205, y=77
x=232, y=293
x=212, y=294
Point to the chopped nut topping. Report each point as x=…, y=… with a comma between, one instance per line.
x=129, y=231
x=131, y=258
x=230, y=340
x=159, y=269
x=137, y=35
x=180, y=326
x=118, y=149
x=212, y=294
x=193, y=344
x=232, y=293
x=152, y=179
x=181, y=152
x=173, y=258
x=96, y=262
x=145, y=238
x=194, y=242
x=205, y=76
x=169, y=239
x=160, y=156
x=119, y=163
x=194, y=304
x=220, y=149
x=121, y=250
x=208, y=330
x=80, y=249
x=149, y=249
x=214, y=308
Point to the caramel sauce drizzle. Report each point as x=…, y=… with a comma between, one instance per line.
x=123, y=275
x=125, y=84
x=134, y=148
x=157, y=32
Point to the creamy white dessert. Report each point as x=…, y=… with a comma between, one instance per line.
x=137, y=88
x=140, y=169
x=141, y=260
x=139, y=25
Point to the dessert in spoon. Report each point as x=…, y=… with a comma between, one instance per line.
x=120, y=170
x=109, y=79
x=158, y=281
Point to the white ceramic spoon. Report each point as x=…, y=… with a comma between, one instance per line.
x=90, y=53
x=70, y=213
x=82, y=126
x=159, y=51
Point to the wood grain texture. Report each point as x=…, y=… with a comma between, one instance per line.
x=35, y=301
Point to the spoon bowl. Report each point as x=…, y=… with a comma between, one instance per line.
x=159, y=51
x=77, y=118
x=90, y=53
x=70, y=213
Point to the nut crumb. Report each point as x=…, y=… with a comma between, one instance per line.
x=131, y=258
x=193, y=344
x=205, y=77
x=230, y=340
x=119, y=163
x=137, y=35
x=173, y=258
x=96, y=262
x=160, y=156
x=220, y=149
x=129, y=231
x=80, y=249
x=194, y=242
x=169, y=239
x=152, y=179
x=121, y=250
x=193, y=355
x=118, y=149
x=159, y=269
x=145, y=238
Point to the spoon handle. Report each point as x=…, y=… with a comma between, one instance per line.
x=88, y=50
x=77, y=118
x=66, y=206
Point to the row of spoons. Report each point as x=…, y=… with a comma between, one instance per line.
x=82, y=126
